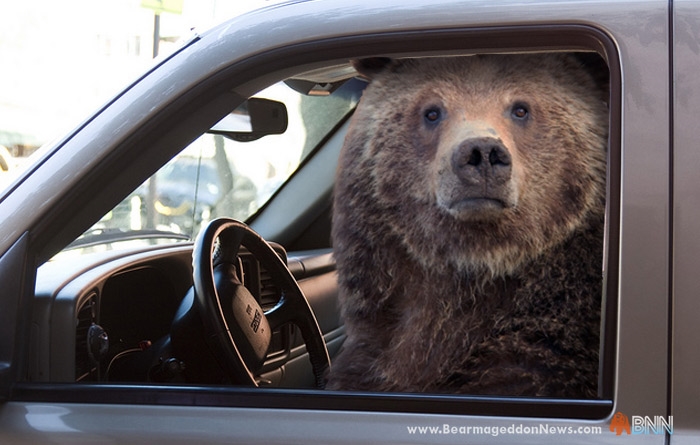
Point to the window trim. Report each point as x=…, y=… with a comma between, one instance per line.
x=246, y=397
x=272, y=65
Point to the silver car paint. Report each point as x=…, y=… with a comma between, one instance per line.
x=641, y=31
x=685, y=392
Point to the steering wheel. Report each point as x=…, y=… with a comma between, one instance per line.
x=237, y=329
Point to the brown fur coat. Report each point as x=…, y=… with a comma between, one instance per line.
x=468, y=228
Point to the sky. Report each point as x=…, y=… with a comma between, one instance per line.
x=61, y=60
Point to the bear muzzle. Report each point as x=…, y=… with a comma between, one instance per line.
x=478, y=183
x=482, y=160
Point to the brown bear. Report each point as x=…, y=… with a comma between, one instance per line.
x=468, y=227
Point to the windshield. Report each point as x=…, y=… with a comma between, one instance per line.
x=218, y=175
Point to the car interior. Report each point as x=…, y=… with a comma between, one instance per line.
x=132, y=271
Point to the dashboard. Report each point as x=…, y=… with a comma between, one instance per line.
x=109, y=317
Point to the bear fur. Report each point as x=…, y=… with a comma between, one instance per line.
x=468, y=227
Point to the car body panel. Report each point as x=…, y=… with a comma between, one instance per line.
x=67, y=423
x=685, y=391
x=56, y=202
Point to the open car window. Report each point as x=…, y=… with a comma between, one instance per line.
x=220, y=174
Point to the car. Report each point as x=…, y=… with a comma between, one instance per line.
x=105, y=285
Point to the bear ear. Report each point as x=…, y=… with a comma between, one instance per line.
x=597, y=68
x=372, y=66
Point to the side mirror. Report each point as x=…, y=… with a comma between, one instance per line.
x=252, y=120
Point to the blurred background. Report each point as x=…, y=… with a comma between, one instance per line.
x=60, y=60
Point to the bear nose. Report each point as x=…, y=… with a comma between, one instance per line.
x=477, y=160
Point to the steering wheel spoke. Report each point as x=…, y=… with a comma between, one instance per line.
x=279, y=315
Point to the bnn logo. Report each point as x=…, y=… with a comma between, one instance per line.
x=641, y=424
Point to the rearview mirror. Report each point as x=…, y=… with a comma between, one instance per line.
x=253, y=119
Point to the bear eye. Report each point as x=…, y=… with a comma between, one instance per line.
x=432, y=115
x=520, y=111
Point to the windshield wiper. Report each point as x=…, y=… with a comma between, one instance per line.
x=107, y=236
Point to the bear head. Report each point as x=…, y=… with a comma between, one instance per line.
x=478, y=162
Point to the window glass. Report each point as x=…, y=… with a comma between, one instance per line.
x=218, y=176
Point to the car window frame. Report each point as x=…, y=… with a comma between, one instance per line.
x=244, y=78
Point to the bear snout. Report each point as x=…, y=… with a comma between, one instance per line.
x=479, y=183
x=482, y=160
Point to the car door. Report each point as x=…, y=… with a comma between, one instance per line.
x=182, y=97
x=684, y=304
